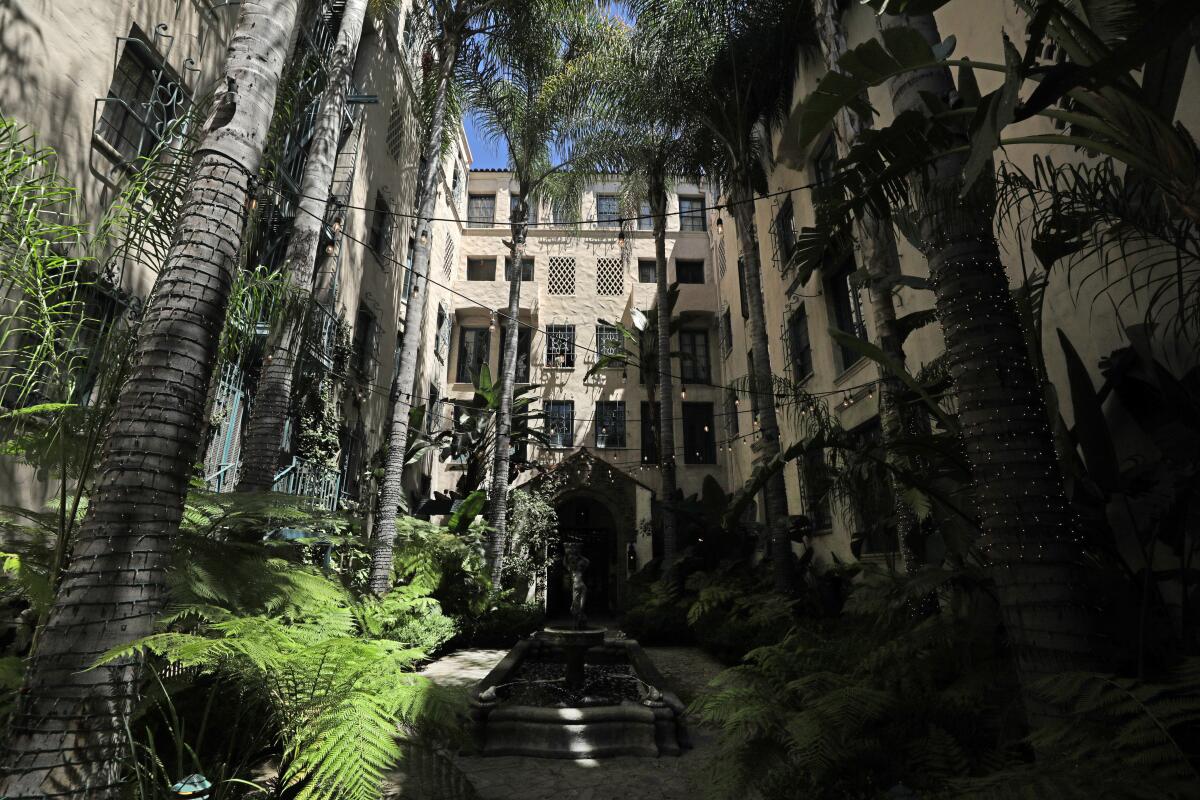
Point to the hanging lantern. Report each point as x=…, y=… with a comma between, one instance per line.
x=720, y=226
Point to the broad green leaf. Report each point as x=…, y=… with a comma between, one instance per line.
x=1091, y=428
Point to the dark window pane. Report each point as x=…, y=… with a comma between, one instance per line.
x=727, y=329
x=732, y=423
x=531, y=216
x=694, y=362
x=847, y=311
x=814, y=477
x=785, y=231
x=481, y=269
x=691, y=214
x=481, y=210
x=560, y=423
x=524, y=337
x=689, y=271
x=649, y=424
x=800, y=349
x=143, y=102
x=608, y=211
x=382, y=225
x=526, y=268
x=699, y=439
x=610, y=424
x=362, y=344
x=645, y=221
x=647, y=270
x=473, y=345
x=608, y=340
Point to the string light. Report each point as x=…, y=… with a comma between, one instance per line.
x=720, y=226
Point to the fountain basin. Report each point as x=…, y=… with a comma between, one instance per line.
x=651, y=726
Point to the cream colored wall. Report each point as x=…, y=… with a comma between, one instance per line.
x=583, y=309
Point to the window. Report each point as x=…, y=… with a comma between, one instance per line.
x=531, y=214
x=610, y=423
x=645, y=219
x=473, y=346
x=689, y=271
x=693, y=361
x=785, y=231
x=142, y=104
x=560, y=346
x=691, y=214
x=382, y=226
x=409, y=254
x=743, y=295
x=354, y=456
x=608, y=211
x=394, y=141
x=524, y=337
x=433, y=416
x=648, y=352
x=847, y=311
x=814, y=478
x=362, y=346
x=870, y=512
x=481, y=269
x=610, y=277
x=560, y=423
x=649, y=421
x=442, y=334
x=799, y=347
x=526, y=268
x=608, y=340
x=726, y=333
x=647, y=270
x=824, y=167
x=410, y=28
x=481, y=210
x=699, y=440
x=562, y=275
x=731, y=412
x=565, y=213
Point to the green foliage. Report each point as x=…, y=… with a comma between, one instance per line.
x=500, y=624
x=735, y=611
x=532, y=537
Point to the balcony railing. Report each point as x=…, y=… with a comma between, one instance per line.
x=310, y=480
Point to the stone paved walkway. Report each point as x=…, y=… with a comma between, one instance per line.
x=621, y=778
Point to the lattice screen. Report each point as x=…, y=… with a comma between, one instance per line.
x=721, y=257
x=610, y=276
x=562, y=275
x=395, y=131
x=448, y=258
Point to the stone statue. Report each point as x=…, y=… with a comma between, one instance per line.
x=578, y=564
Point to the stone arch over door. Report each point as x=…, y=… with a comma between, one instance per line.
x=603, y=506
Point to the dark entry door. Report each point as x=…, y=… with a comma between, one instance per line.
x=597, y=548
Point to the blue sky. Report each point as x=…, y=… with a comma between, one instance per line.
x=486, y=153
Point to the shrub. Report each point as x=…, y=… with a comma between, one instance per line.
x=501, y=625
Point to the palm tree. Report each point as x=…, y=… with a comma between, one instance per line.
x=452, y=22
x=533, y=86
x=273, y=397
x=67, y=730
x=1028, y=528
x=734, y=72
x=881, y=261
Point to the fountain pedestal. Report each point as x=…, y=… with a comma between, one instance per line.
x=575, y=642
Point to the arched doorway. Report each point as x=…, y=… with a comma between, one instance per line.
x=583, y=518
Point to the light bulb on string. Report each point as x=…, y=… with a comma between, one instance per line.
x=720, y=226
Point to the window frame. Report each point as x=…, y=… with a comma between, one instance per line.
x=526, y=274
x=461, y=364
x=650, y=418
x=692, y=264
x=608, y=412
x=693, y=369
x=653, y=263
x=555, y=435
x=532, y=215
x=846, y=311
x=360, y=343
x=797, y=323
x=608, y=219
x=705, y=451
x=484, y=261
x=786, y=237
x=645, y=221
x=564, y=335
x=694, y=219
x=133, y=110
x=476, y=221
x=383, y=227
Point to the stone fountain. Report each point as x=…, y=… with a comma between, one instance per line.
x=576, y=691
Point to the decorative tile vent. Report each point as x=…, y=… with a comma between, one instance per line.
x=448, y=258
x=562, y=275
x=610, y=276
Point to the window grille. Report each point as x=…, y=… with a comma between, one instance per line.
x=610, y=423
x=847, y=310
x=481, y=210
x=691, y=214
x=721, y=258
x=732, y=423
x=433, y=417
x=610, y=276
x=649, y=421
x=560, y=346
x=395, y=131
x=560, y=423
x=562, y=275
x=143, y=101
x=785, y=232
x=448, y=257
x=726, y=331
x=363, y=344
x=608, y=340
x=608, y=211
x=798, y=344
x=442, y=334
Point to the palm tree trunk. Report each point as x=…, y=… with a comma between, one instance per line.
x=1029, y=533
x=403, y=391
x=881, y=261
x=66, y=736
x=273, y=397
x=762, y=383
x=497, y=516
x=666, y=390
